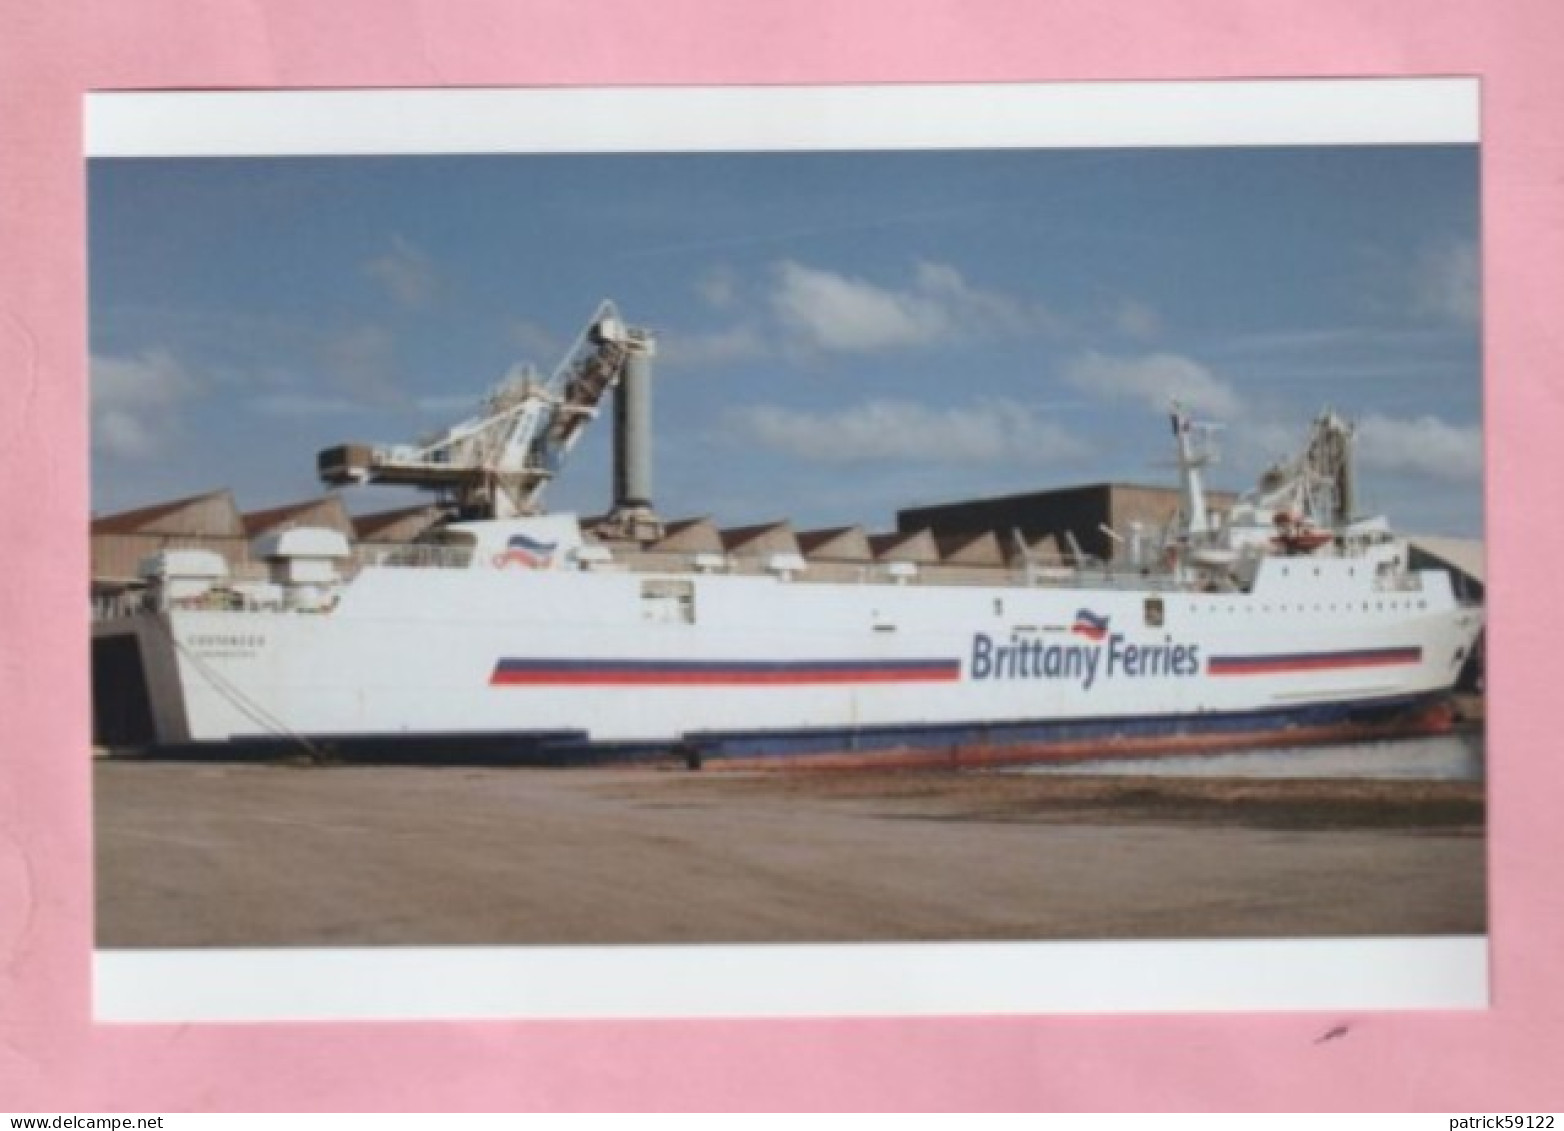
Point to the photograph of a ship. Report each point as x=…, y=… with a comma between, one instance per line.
x=501, y=549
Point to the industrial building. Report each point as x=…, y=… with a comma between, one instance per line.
x=950, y=545
x=1054, y=520
x=120, y=542
x=1039, y=527
x=213, y=521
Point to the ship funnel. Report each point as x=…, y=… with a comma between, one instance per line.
x=633, y=516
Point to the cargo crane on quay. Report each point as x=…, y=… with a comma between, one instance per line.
x=508, y=633
x=497, y=464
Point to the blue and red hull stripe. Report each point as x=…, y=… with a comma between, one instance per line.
x=642, y=673
x=1312, y=661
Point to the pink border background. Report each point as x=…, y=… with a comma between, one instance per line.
x=52, y=1058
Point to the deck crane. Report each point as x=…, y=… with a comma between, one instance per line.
x=1318, y=484
x=496, y=464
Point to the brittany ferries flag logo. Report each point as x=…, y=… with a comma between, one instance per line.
x=1089, y=625
x=528, y=553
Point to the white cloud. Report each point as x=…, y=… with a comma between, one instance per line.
x=828, y=311
x=718, y=288
x=1425, y=445
x=721, y=347
x=1137, y=320
x=353, y=370
x=973, y=310
x=834, y=312
x=362, y=363
x=544, y=347
x=449, y=403
x=1155, y=380
x=985, y=432
x=303, y=404
x=406, y=273
x=136, y=402
x=1447, y=284
x=1266, y=441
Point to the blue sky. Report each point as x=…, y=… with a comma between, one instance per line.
x=840, y=334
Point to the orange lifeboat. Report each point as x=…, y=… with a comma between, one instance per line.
x=1296, y=535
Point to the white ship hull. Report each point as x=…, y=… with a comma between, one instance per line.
x=534, y=641
x=570, y=663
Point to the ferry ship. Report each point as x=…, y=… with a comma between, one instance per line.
x=511, y=634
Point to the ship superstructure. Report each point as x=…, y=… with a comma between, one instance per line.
x=533, y=637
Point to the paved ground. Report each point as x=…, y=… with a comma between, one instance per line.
x=196, y=855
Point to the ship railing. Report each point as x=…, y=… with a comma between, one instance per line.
x=117, y=606
x=816, y=571
x=139, y=603
x=412, y=556
x=248, y=573
x=885, y=573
